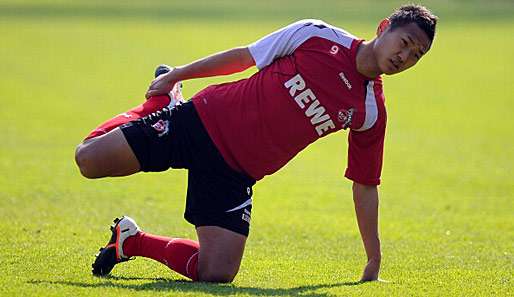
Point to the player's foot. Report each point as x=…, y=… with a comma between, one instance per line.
x=112, y=253
x=161, y=69
x=175, y=93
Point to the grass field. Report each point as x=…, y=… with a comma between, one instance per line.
x=447, y=199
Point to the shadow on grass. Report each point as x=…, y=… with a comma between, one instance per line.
x=162, y=284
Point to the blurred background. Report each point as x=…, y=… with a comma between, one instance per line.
x=447, y=193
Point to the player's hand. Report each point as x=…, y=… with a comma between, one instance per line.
x=371, y=270
x=161, y=85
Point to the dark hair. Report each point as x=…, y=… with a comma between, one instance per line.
x=412, y=13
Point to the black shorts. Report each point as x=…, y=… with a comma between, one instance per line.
x=217, y=195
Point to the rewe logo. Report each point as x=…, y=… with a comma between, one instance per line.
x=345, y=80
x=307, y=101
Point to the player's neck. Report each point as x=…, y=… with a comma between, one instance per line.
x=366, y=61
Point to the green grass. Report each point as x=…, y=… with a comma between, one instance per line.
x=447, y=223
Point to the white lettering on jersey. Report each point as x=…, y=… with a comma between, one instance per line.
x=324, y=127
x=334, y=49
x=315, y=111
x=345, y=80
x=297, y=83
x=305, y=97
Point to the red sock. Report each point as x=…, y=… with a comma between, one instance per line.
x=180, y=255
x=151, y=105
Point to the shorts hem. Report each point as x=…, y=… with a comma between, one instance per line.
x=201, y=220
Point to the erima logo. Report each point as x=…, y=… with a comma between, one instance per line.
x=316, y=112
x=345, y=80
x=247, y=216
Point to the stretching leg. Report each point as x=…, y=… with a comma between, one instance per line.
x=105, y=151
x=106, y=155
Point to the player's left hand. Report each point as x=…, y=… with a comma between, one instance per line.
x=161, y=85
x=371, y=271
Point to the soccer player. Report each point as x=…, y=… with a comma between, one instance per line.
x=314, y=79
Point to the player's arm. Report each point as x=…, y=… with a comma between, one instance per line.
x=366, y=207
x=223, y=63
x=260, y=53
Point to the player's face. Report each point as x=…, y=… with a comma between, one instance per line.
x=399, y=49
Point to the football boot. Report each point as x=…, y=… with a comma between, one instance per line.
x=176, y=92
x=112, y=253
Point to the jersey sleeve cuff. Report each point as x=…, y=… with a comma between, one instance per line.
x=254, y=51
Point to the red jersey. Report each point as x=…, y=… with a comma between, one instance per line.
x=307, y=87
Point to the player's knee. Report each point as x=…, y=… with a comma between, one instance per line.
x=217, y=276
x=86, y=161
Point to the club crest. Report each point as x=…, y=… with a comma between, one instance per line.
x=345, y=117
x=162, y=127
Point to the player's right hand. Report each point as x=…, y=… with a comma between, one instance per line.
x=161, y=85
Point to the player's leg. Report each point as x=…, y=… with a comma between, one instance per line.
x=219, y=207
x=218, y=202
x=105, y=151
x=215, y=258
x=151, y=105
x=106, y=155
x=221, y=251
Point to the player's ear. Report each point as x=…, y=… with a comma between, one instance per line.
x=384, y=24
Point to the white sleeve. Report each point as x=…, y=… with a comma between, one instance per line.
x=277, y=44
x=284, y=41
